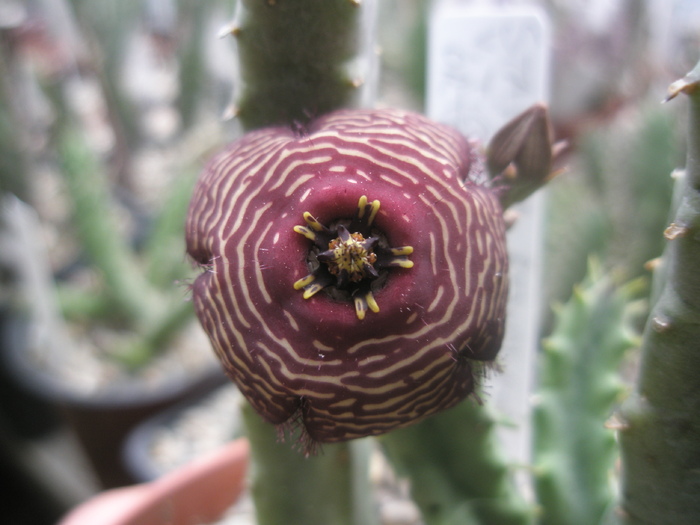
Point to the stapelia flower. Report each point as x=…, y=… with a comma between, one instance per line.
x=355, y=274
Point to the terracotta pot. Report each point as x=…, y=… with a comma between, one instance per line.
x=200, y=492
x=102, y=422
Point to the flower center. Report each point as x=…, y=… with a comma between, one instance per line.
x=351, y=254
x=350, y=262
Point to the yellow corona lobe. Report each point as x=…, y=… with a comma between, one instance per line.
x=301, y=283
x=371, y=303
x=374, y=208
x=312, y=222
x=303, y=230
x=404, y=250
x=361, y=205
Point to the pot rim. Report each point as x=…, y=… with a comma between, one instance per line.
x=119, y=395
x=135, y=452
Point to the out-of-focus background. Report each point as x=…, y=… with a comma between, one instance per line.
x=108, y=110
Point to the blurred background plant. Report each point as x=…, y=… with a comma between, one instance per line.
x=101, y=101
x=107, y=110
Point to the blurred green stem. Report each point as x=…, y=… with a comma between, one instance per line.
x=192, y=67
x=13, y=152
x=156, y=316
x=578, y=386
x=165, y=237
x=100, y=237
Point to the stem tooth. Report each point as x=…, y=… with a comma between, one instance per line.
x=660, y=324
x=674, y=231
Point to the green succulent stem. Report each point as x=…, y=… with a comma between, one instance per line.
x=328, y=488
x=578, y=387
x=660, y=436
x=298, y=60
x=457, y=473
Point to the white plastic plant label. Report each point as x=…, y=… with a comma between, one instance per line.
x=486, y=65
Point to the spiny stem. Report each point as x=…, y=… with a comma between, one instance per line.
x=660, y=440
x=578, y=386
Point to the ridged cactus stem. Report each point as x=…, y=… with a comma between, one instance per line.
x=299, y=59
x=660, y=438
x=328, y=489
x=573, y=451
x=457, y=474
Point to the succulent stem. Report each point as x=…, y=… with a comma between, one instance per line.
x=660, y=435
x=146, y=302
x=578, y=386
x=296, y=58
x=330, y=488
x=101, y=239
x=457, y=474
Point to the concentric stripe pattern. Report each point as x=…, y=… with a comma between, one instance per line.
x=312, y=359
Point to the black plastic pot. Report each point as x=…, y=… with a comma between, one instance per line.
x=102, y=422
x=29, y=416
